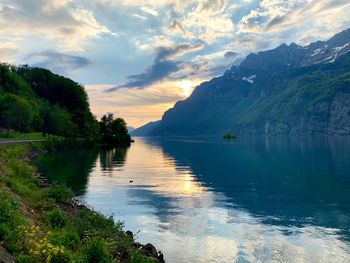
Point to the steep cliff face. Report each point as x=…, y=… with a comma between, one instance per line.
x=287, y=90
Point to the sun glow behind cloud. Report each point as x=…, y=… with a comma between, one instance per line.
x=187, y=86
x=139, y=106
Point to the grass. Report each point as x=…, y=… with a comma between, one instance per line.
x=18, y=135
x=43, y=225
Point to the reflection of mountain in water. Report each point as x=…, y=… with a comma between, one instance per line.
x=254, y=199
x=285, y=181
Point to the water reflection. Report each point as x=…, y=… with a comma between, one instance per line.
x=111, y=159
x=253, y=200
x=69, y=167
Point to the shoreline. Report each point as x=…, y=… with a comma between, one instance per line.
x=116, y=243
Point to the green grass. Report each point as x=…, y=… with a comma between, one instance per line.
x=18, y=135
x=40, y=225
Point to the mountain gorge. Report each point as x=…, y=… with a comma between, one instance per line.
x=287, y=90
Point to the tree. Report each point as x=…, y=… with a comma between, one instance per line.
x=114, y=131
x=15, y=113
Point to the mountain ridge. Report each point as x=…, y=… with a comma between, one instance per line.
x=287, y=90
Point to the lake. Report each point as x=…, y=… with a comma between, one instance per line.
x=256, y=199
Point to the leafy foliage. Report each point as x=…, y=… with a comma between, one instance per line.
x=114, y=131
x=16, y=112
x=35, y=99
x=60, y=193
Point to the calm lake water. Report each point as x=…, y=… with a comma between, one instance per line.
x=209, y=200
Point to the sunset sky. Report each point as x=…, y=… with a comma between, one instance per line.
x=137, y=58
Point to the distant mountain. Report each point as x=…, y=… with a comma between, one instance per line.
x=130, y=128
x=287, y=90
x=145, y=130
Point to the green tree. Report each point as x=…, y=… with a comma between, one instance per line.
x=65, y=93
x=114, y=131
x=15, y=113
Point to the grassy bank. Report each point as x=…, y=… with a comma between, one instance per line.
x=40, y=222
x=18, y=135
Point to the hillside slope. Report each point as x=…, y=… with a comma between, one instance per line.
x=35, y=99
x=288, y=90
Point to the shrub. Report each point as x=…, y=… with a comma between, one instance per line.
x=41, y=249
x=10, y=221
x=67, y=237
x=60, y=193
x=96, y=250
x=57, y=218
x=25, y=259
x=91, y=223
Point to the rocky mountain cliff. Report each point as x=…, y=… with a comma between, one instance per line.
x=288, y=90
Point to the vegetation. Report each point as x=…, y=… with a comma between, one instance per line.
x=41, y=224
x=20, y=135
x=37, y=100
x=114, y=131
x=229, y=136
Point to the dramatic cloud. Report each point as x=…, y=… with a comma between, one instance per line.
x=63, y=22
x=163, y=65
x=58, y=62
x=148, y=47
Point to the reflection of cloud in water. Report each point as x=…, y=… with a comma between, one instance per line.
x=248, y=221
x=204, y=235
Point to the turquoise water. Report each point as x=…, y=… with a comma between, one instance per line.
x=209, y=200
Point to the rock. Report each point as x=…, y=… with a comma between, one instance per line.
x=160, y=257
x=150, y=250
x=5, y=256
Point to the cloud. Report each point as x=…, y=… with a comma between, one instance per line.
x=65, y=23
x=7, y=52
x=164, y=64
x=142, y=44
x=281, y=15
x=208, y=21
x=149, y=11
x=231, y=54
x=159, y=70
x=58, y=62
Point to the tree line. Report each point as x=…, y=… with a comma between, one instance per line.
x=35, y=99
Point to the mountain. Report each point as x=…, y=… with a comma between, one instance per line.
x=130, y=128
x=287, y=90
x=145, y=130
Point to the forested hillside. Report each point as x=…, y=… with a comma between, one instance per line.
x=35, y=99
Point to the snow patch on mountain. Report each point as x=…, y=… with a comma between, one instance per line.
x=250, y=79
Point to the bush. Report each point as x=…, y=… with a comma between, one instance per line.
x=67, y=237
x=10, y=221
x=63, y=257
x=90, y=223
x=25, y=259
x=60, y=193
x=41, y=249
x=57, y=218
x=96, y=250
